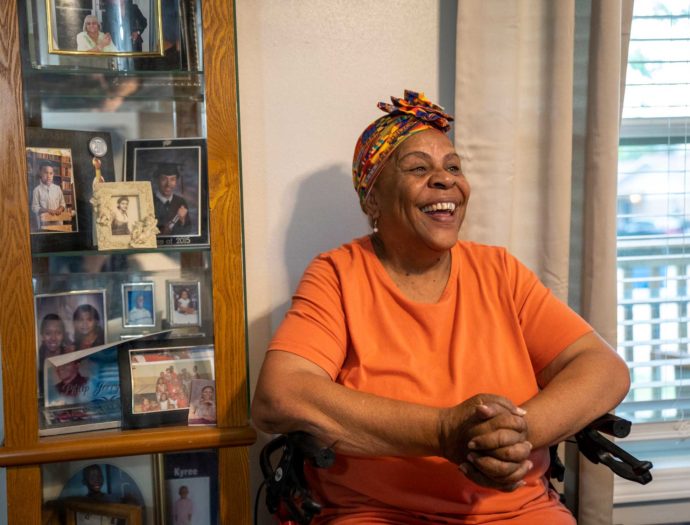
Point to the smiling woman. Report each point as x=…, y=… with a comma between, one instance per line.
x=439, y=370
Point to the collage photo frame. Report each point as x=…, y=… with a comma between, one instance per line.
x=156, y=382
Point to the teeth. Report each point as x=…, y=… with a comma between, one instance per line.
x=439, y=206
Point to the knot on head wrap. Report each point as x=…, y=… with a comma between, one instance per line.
x=406, y=116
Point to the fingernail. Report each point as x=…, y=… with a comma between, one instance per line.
x=472, y=456
x=463, y=467
x=472, y=445
x=529, y=445
x=520, y=483
x=529, y=465
x=520, y=411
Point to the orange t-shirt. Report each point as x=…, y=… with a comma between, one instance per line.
x=494, y=327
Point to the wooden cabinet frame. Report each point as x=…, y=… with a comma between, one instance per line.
x=23, y=450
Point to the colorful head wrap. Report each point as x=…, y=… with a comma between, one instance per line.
x=405, y=117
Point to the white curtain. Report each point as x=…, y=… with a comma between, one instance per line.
x=538, y=98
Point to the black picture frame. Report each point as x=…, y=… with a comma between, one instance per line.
x=86, y=167
x=198, y=472
x=185, y=160
x=141, y=365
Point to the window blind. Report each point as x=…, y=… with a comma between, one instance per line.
x=653, y=240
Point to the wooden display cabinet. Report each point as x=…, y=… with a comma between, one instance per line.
x=24, y=452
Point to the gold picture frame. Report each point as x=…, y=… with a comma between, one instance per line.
x=82, y=510
x=124, y=215
x=67, y=29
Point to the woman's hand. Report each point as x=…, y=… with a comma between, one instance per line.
x=486, y=436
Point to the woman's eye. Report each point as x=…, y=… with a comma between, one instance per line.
x=417, y=169
x=454, y=169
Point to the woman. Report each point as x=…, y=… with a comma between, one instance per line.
x=203, y=410
x=87, y=327
x=91, y=38
x=120, y=221
x=439, y=370
x=54, y=341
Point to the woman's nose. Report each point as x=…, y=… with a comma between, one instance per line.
x=441, y=179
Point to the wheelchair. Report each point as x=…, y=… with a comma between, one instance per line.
x=289, y=499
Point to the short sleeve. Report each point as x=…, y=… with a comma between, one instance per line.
x=314, y=327
x=548, y=325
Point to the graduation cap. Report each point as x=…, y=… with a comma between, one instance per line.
x=167, y=168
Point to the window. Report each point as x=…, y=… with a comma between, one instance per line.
x=654, y=246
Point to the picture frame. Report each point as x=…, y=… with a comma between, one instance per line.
x=156, y=382
x=56, y=35
x=79, y=160
x=124, y=216
x=184, y=303
x=202, y=403
x=83, y=394
x=197, y=472
x=128, y=480
x=82, y=511
x=104, y=28
x=139, y=304
x=176, y=169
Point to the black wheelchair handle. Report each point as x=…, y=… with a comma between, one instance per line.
x=612, y=425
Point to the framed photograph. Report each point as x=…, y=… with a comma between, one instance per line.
x=177, y=172
x=138, y=305
x=62, y=168
x=184, y=304
x=84, y=392
x=202, y=404
x=124, y=216
x=188, y=487
x=84, y=511
x=156, y=383
x=129, y=480
x=104, y=27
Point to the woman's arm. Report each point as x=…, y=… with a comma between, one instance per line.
x=583, y=382
x=295, y=394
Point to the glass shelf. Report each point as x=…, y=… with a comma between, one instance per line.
x=87, y=89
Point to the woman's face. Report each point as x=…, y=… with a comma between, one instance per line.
x=52, y=336
x=68, y=371
x=207, y=394
x=85, y=323
x=92, y=26
x=421, y=195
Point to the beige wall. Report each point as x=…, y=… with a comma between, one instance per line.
x=310, y=74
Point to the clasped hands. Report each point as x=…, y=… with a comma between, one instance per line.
x=486, y=436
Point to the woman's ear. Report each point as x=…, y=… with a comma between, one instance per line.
x=371, y=205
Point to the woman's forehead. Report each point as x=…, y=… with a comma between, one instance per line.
x=429, y=142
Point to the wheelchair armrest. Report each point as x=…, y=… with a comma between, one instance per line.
x=598, y=449
x=287, y=491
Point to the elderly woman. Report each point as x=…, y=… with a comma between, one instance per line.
x=91, y=38
x=439, y=370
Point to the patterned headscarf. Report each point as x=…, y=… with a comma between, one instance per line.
x=405, y=117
